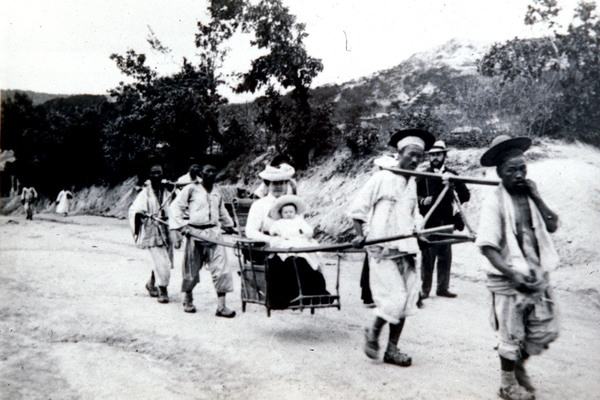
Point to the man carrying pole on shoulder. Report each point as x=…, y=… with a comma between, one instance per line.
x=514, y=236
x=386, y=206
x=203, y=204
x=148, y=217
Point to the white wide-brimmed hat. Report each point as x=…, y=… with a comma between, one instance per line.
x=438, y=147
x=283, y=172
x=284, y=201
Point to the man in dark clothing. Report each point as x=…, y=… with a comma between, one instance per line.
x=428, y=191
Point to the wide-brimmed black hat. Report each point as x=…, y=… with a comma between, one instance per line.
x=427, y=137
x=500, y=145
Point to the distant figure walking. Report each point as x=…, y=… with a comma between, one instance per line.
x=28, y=197
x=64, y=202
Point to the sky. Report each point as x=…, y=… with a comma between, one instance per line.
x=63, y=46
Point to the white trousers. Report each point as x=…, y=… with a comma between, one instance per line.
x=395, y=283
x=162, y=265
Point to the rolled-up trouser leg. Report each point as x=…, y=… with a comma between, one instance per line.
x=219, y=269
x=511, y=329
x=530, y=327
x=541, y=325
x=395, y=286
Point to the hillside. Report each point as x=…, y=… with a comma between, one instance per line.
x=430, y=77
x=424, y=72
x=36, y=97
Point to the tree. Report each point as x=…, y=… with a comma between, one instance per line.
x=238, y=138
x=55, y=143
x=181, y=110
x=286, y=65
x=21, y=125
x=270, y=114
x=287, y=61
x=560, y=71
x=581, y=82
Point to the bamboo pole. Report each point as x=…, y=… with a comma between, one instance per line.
x=457, y=178
x=314, y=249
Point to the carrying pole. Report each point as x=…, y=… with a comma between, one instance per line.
x=431, y=175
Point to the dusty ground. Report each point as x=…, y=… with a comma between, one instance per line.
x=76, y=323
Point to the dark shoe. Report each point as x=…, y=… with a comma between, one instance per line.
x=163, y=296
x=515, y=392
x=422, y=296
x=522, y=377
x=152, y=290
x=225, y=313
x=189, y=307
x=420, y=303
x=397, y=358
x=446, y=293
x=371, y=345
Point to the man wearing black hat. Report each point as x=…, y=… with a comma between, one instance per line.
x=147, y=216
x=428, y=191
x=388, y=201
x=514, y=236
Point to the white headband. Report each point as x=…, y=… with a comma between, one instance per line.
x=416, y=141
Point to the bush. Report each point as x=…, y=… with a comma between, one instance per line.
x=363, y=139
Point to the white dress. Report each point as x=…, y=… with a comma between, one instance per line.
x=295, y=233
x=64, y=202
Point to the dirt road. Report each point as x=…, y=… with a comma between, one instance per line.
x=76, y=323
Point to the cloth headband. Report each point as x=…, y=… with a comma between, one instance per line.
x=416, y=141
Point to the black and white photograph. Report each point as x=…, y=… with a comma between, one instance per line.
x=300, y=199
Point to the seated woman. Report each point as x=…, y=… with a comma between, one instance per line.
x=282, y=281
x=263, y=189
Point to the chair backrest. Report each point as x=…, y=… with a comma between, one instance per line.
x=252, y=252
x=238, y=209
